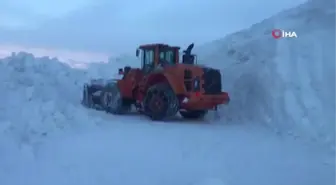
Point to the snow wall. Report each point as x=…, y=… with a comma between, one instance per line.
x=41, y=95
x=287, y=84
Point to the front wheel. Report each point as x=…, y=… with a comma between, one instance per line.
x=112, y=101
x=160, y=102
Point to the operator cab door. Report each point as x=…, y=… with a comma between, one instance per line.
x=147, y=66
x=147, y=60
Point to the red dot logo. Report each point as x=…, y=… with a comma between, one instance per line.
x=276, y=33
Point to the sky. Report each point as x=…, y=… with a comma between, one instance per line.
x=119, y=26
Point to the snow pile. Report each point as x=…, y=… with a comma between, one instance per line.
x=61, y=54
x=39, y=96
x=126, y=59
x=104, y=69
x=288, y=84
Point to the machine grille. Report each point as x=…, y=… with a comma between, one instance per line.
x=188, y=80
x=212, y=81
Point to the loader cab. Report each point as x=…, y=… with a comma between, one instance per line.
x=154, y=56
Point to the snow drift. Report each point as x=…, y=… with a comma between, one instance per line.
x=287, y=84
x=40, y=95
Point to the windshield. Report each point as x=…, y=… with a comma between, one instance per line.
x=167, y=56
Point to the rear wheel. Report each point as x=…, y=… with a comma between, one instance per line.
x=195, y=114
x=160, y=102
x=112, y=100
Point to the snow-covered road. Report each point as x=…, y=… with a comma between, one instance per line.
x=128, y=151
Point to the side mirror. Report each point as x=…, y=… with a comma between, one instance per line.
x=137, y=53
x=120, y=71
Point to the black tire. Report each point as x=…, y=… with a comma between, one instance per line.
x=160, y=102
x=196, y=114
x=112, y=102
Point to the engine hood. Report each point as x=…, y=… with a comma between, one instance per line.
x=180, y=68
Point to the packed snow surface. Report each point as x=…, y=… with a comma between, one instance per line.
x=277, y=87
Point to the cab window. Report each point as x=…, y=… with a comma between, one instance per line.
x=148, y=59
x=167, y=56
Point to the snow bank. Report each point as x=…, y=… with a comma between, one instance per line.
x=61, y=54
x=39, y=96
x=288, y=84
